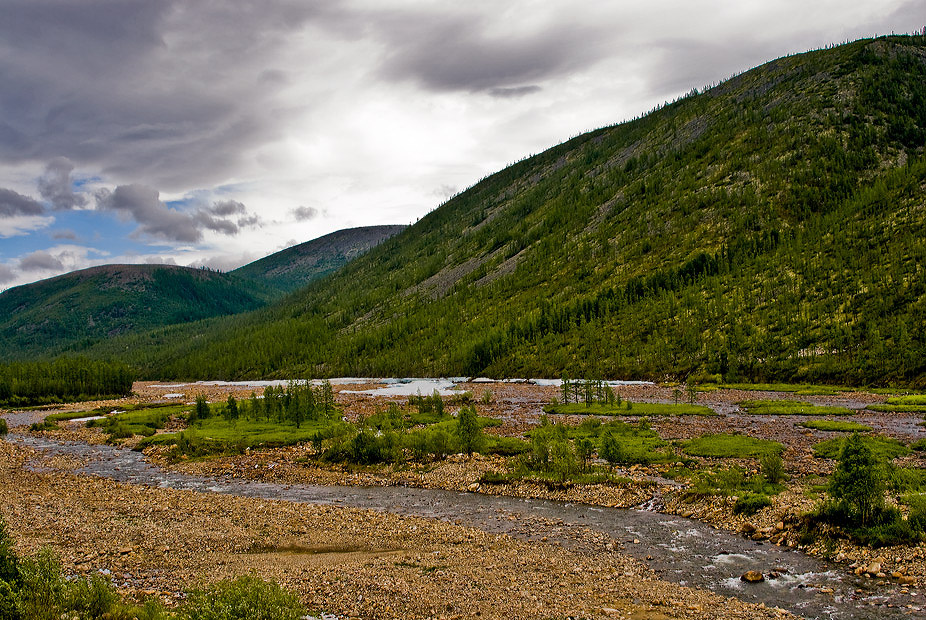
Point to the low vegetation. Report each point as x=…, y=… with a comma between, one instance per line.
x=731, y=446
x=37, y=588
x=836, y=426
x=790, y=407
x=627, y=408
x=914, y=403
x=883, y=448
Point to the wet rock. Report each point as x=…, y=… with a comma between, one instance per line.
x=752, y=576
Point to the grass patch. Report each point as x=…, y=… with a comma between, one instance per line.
x=628, y=408
x=730, y=446
x=914, y=403
x=790, y=407
x=792, y=388
x=222, y=434
x=836, y=426
x=884, y=448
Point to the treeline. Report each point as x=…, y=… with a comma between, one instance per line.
x=25, y=384
x=298, y=402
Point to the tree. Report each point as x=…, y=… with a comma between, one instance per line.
x=610, y=449
x=857, y=484
x=584, y=451
x=469, y=432
x=231, y=408
x=201, y=410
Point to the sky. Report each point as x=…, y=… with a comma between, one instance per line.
x=213, y=133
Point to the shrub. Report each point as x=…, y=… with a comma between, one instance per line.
x=9, y=562
x=773, y=468
x=751, y=503
x=4, y=429
x=469, y=432
x=245, y=598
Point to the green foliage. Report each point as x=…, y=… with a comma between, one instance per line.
x=836, y=426
x=790, y=407
x=884, y=448
x=772, y=467
x=730, y=446
x=751, y=503
x=245, y=598
x=628, y=408
x=4, y=429
x=857, y=484
x=732, y=481
x=915, y=403
x=9, y=562
x=794, y=388
x=63, y=380
x=469, y=431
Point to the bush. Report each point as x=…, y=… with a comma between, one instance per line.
x=773, y=468
x=245, y=598
x=4, y=429
x=751, y=503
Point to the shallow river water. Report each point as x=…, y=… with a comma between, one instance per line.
x=677, y=549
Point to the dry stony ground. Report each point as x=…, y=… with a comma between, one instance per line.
x=349, y=562
x=357, y=563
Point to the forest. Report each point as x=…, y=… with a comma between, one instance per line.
x=25, y=384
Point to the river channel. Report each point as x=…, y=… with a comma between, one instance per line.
x=677, y=549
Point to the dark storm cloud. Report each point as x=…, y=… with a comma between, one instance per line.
x=40, y=261
x=171, y=91
x=515, y=91
x=456, y=52
x=55, y=185
x=304, y=214
x=13, y=203
x=226, y=208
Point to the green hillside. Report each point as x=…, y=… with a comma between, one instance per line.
x=294, y=267
x=768, y=228
x=75, y=310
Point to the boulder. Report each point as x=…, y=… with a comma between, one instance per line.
x=752, y=576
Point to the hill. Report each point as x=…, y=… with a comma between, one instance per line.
x=296, y=266
x=767, y=228
x=76, y=309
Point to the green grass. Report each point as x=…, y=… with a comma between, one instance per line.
x=914, y=403
x=634, y=409
x=730, y=446
x=793, y=388
x=790, y=407
x=69, y=415
x=885, y=448
x=243, y=433
x=836, y=426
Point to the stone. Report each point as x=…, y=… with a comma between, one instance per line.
x=752, y=576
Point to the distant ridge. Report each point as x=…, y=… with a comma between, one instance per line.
x=296, y=266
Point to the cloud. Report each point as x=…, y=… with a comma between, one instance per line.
x=65, y=234
x=6, y=274
x=55, y=185
x=304, y=214
x=40, y=261
x=156, y=219
x=142, y=204
x=514, y=91
x=446, y=51
x=13, y=203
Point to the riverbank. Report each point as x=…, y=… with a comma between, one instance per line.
x=349, y=562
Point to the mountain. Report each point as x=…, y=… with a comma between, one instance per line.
x=767, y=228
x=81, y=307
x=294, y=267
x=71, y=312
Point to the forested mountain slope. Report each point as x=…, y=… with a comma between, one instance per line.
x=768, y=228
x=76, y=309
x=296, y=266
